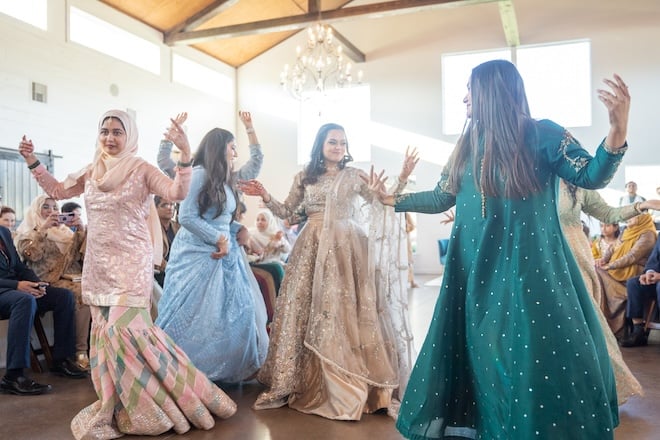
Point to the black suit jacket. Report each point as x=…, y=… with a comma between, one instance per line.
x=653, y=263
x=14, y=270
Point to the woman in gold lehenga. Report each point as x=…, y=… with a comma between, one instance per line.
x=340, y=344
x=573, y=201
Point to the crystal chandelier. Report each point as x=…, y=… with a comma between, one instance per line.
x=320, y=66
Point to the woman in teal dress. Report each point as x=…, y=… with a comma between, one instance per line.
x=515, y=349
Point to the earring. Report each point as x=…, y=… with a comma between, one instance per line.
x=321, y=160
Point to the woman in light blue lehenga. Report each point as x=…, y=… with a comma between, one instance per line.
x=211, y=304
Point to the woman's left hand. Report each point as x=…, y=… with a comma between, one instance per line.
x=223, y=248
x=617, y=101
x=409, y=163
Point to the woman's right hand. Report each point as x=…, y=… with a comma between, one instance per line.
x=449, y=217
x=52, y=221
x=253, y=187
x=376, y=184
x=26, y=149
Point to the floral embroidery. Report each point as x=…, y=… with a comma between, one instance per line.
x=576, y=162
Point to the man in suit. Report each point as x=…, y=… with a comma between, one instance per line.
x=640, y=290
x=22, y=295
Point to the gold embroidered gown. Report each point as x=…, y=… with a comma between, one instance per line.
x=333, y=350
x=591, y=203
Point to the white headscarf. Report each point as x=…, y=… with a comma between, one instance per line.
x=62, y=235
x=263, y=238
x=108, y=172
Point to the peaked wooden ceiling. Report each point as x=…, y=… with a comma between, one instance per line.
x=236, y=31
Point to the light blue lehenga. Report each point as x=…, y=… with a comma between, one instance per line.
x=212, y=308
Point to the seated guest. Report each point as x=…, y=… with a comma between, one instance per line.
x=51, y=248
x=624, y=262
x=165, y=209
x=267, y=240
x=8, y=218
x=608, y=240
x=641, y=289
x=22, y=295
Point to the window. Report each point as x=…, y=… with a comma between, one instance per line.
x=199, y=77
x=557, y=82
x=90, y=31
x=34, y=12
x=456, y=70
x=349, y=107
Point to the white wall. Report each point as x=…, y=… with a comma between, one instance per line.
x=79, y=81
x=406, y=92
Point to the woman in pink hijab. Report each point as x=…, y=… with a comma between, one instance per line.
x=145, y=383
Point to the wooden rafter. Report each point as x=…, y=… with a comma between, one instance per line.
x=509, y=23
x=297, y=22
x=202, y=16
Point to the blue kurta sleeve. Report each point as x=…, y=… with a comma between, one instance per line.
x=250, y=170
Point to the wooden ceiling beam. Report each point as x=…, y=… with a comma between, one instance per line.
x=509, y=23
x=202, y=16
x=297, y=22
x=351, y=52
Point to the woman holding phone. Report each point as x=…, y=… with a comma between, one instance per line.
x=47, y=244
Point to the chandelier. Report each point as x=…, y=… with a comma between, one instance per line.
x=320, y=66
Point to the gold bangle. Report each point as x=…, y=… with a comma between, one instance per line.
x=637, y=208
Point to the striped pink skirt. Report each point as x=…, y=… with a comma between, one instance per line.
x=145, y=383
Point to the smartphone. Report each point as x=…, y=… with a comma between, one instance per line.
x=66, y=217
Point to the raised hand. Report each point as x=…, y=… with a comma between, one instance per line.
x=26, y=149
x=376, y=184
x=409, y=163
x=176, y=134
x=246, y=118
x=617, y=101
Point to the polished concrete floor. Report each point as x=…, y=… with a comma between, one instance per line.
x=47, y=417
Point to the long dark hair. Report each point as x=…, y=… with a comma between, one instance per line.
x=212, y=156
x=316, y=165
x=500, y=122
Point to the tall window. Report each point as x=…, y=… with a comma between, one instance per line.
x=91, y=31
x=557, y=81
x=199, y=77
x=34, y=12
x=456, y=69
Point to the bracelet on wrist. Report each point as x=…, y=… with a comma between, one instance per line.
x=249, y=130
x=35, y=164
x=184, y=164
x=622, y=149
x=637, y=208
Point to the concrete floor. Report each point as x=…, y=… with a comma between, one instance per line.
x=47, y=417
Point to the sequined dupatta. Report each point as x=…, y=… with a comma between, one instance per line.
x=351, y=324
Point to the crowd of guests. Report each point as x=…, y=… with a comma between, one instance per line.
x=164, y=288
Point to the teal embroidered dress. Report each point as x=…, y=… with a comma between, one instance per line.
x=515, y=349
